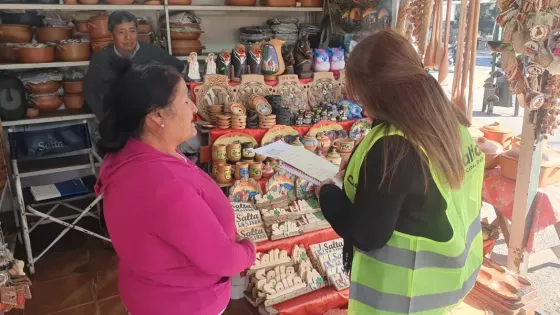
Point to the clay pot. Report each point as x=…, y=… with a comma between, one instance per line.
x=73, y=87
x=334, y=157
x=43, y=88
x=224, y=173
x=550, y=166
x=259, y=157
x=36, y=54
x=46, y=103
x=52, y=34
x=12, y=33
x=88, y=1
x=491, y=150
x=324, y=143
x=219, y=153
x=74, y=51
x=255, y=170
x=81, y=26
x=73, y=101
x=247, y=151
x=516, y=142
x=215, y=168
x=32, y=112
x=144, y=38
x=185, y=35
x=241, y=170
x=119, y=2
x=186, y=47
x=144, y=28
x=9, y=53
x=179, y=2
x=97, y=45
x=310, y=142
x=278, y=3
x=241, y=2
x=234, y=152
x=344, y=145
x=70, y=1
x=311, y=3
x=499, y=133
x=98, y=27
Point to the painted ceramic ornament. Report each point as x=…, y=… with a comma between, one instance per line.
x=210, y=64
x=224, y=63
x=238, y=62
x=537, y=100
x=539, y=32
x=272, y=62
x=509, y=29
x=254, y=61
x=304, y=189
x=369, y=18
x=336, y=58
x=232, y=137
x=531, y=48
x=193, y=73
x=245, y=190
x=321, y=60
x=360, y=129
x=534, y=69
x=282, y=183
x=351, y=19
x=506, y=16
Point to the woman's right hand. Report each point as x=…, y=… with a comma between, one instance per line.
x=238, y=239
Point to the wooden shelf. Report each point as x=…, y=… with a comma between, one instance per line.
x=133, y=7
x=51, y=117
x=241, y=8
x=56, y=64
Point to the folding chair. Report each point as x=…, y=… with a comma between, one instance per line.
x=36, y=153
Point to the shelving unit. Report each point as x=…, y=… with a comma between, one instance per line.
x=135, y=7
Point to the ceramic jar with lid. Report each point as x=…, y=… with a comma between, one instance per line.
x=219, y=153
x=234, y=151
x=241, y=170
x=491, y=150
x=224, y=173
x=550, y=166
x=247, y=151
x=310, y=142
x=499, y=133
x=334, y=157
x=324, y=143
x=255, y=170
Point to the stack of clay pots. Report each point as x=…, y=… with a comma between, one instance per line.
x=44, y=97
x=185, y=39
x=223, y=121
x=267, y=121
x=215, y=110
x=238, y=121
x=144, y=31
x=73, y=94
x=98, y=29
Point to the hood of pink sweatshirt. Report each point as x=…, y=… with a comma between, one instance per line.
x=173, y=230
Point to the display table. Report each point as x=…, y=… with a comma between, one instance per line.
x=499, y=192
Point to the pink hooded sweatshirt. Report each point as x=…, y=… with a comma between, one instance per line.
x=174, y=233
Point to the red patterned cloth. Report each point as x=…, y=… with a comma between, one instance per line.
x=499, y=191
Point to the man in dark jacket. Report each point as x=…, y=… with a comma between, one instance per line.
x=101, y=74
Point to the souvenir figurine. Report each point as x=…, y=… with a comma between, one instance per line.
x=288, y=55
x=316, y=118
x=238, y=62
x=321, y=61
x=345, y=111
x=307, y=118
x=299, y=119
x=272, y=63
x=224, y=63
x=336, y=58
x=324, y=115
x=302, y=56
x=254, y=60
x=211, y=64
x=193, y=73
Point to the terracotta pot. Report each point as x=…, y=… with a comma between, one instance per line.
x=46, y=103
x=179, y=2
x=499, y=133
x=81, y=26
x=73, y=87
x=185, y=35
x=185, y=25
x=311, y=3
x=32, y=112
x=74, y=51
x=550, y=166
x=259, y=157
x=344, y=145
x=324, y=143
x=334, y=157
x=119, y=2
x=144, y=38
x=100, y=44
x=255, y=170
x=144, y=28
x=491, y=150
x=70, y=1
x=152, y=2
x=224, y=173
x=516, y=142
x=36, y=54
x=73, y=101
x=241, y=2
x=215, y=168
x=186, y=43
x=234, y=152
x=88, y=1
x=279, y=3
x=11, y=33
x=247, y=151
x=43, y=88
x=98, y=27
x=9, y=53
x=52, y=34
x=310, y=142
x=185, y=51
x=241, y=170
x=219, y=153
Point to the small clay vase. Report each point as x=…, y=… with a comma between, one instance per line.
x=334, y=157
x=255, y=170
x=324, y=143
x=310, y=142
x=224, y=173
x=215, y=168
x=241, y=170
x=259, y=157
x=247, y=151
x=297, y=143
x=219, y=153
x=267, y=170
x=234, y=152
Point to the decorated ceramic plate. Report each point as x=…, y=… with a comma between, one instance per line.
x=283, y=183
x=330, y=128
x=279, y=132
x=360, y=128
x=264, y=109
x=304, y=189
x=244, y=190
x=236, y=136
x=237, y=109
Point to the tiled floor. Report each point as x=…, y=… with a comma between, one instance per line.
x=79, y=277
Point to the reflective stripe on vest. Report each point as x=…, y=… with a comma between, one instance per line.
x=415, y=275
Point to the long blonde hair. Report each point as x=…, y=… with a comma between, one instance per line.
x=385, y=74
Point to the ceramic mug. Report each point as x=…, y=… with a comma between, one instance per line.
x=241, y=170
x=255, y=170
x=344, y=145
x=234, y=152
x=224, y=173
x=247, y=151
x=219, y=153
x=215, y=168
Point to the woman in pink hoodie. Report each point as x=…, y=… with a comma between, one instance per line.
x=171, y=225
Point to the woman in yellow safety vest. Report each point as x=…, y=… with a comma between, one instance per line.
x=409, y=207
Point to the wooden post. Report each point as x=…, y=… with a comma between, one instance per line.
x=526, y=186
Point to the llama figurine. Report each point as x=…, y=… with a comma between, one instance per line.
x=321, y=61
x=336, y=56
